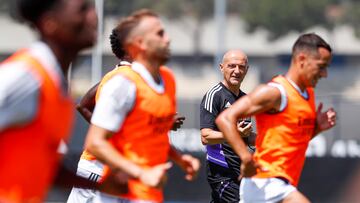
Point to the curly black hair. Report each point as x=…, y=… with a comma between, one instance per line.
x=117, y=45
x=121, y=32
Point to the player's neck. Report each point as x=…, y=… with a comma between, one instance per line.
x=235, y=89
x=64, y=56
x=293, y=78
x=152, y=66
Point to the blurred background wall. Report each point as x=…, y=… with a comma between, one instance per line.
x=201, y=31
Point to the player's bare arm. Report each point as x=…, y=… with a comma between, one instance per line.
x=210, y=136
x=87, y=103
x=264, y=98
x=324, y=120
x=96, y=143
x=187, y=163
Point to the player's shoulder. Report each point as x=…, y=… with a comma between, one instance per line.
x=16, y=74
x=119, y=69
x=270, y=89
x=215, y=91
x=166, y=71
x=214, y=95
x=268, y=96
x=242, y=93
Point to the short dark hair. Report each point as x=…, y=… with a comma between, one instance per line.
x=31, y=10
x=310, y=42
x=121, y=32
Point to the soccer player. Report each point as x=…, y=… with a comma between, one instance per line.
x=88, y=166
x=134, y=112
x=286, y=119
x=223, y=165
x=36, y=111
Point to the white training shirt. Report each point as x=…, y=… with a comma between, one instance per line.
x=20, y=90
x=117, y=98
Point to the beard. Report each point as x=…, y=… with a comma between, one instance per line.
x=163, y=55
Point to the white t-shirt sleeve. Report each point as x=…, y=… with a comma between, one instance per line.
x=282, y=92
x=116, y=99
x=19, y=95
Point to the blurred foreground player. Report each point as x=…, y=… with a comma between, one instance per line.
x=36, y=111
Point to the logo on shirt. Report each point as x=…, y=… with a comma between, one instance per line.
x=307, y=125
x=161, y=124
x=227, y=105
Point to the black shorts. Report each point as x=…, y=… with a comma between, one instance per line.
x=223, y=183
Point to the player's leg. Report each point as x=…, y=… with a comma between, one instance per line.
x=295, y=197
x=230, y=193
x=106, y=198
x=215, y=188
x=264, y=190
x=223, y=187
x=91, y=170
x=226, y=190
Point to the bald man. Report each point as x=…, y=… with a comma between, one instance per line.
x=223, y=165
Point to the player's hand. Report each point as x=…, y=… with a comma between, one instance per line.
x=325, y=120
x=179, y=121
x=249, y=167
x=190, y=165
x=155, y=176
x=116, y=183
x=245, y=131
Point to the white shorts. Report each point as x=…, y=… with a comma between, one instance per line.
x=106, y=198
x=264, y=190
x=91, y=170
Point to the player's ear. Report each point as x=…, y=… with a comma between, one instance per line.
x=247, y=68
x=48, y=25
x=221, y=66
x=301, y=58
x=138, y=42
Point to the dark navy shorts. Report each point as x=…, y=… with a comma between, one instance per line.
x=223, y=183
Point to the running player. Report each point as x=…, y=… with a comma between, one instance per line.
x=286, y=120
x=134, y=112
x=33, y=97
x=88, y=166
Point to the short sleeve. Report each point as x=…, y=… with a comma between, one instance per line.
x=209, y=110
x=19, y=95
x=116, y=99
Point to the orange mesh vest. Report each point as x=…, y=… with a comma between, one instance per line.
x=283, y=137
x=28, y=154
x=143, y=137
